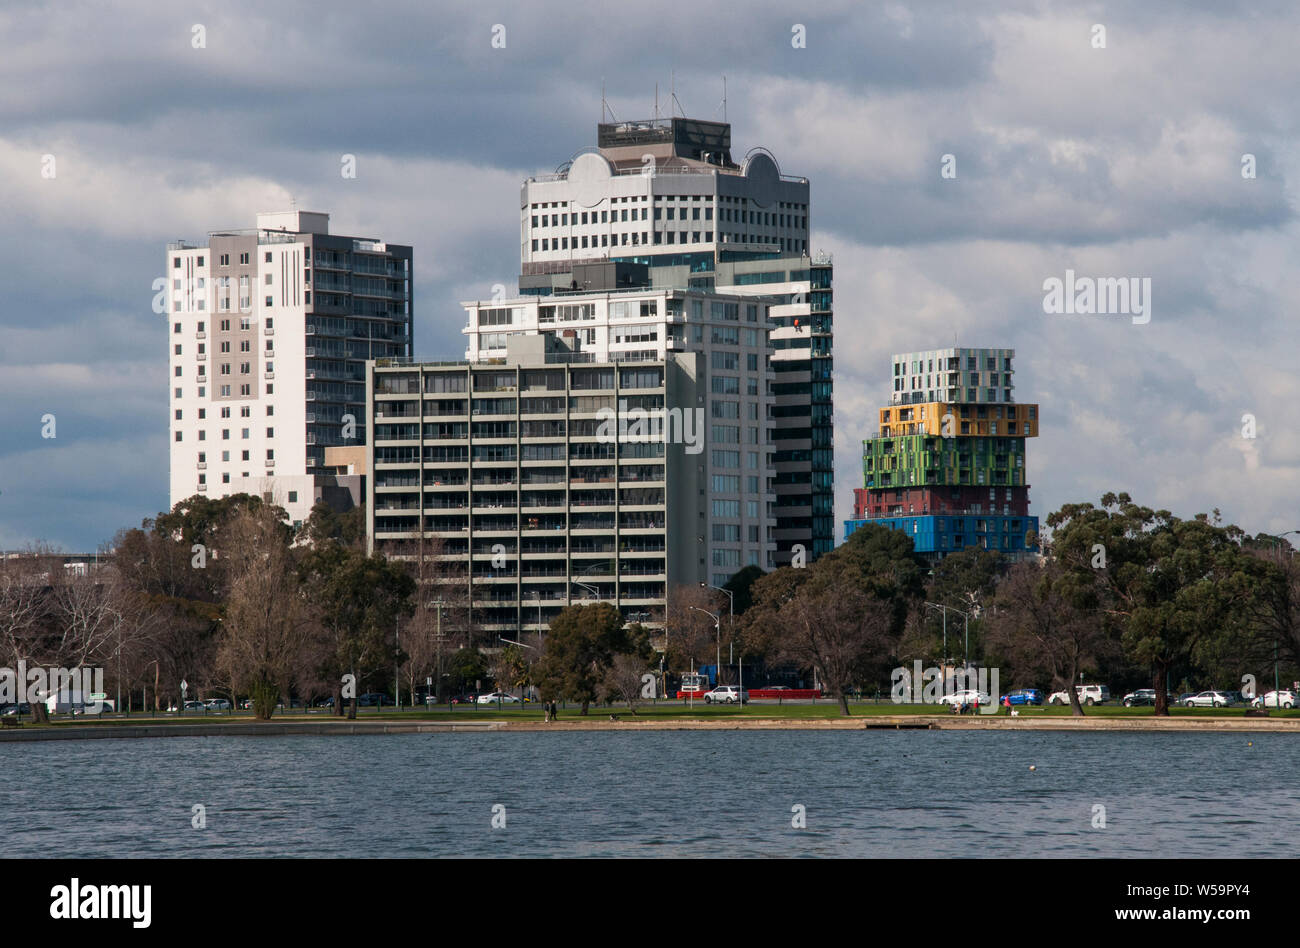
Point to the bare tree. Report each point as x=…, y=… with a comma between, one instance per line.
x=624, y=680
x=1037, y=625
x=839, y=632
x=692, y=636
x=267, y=633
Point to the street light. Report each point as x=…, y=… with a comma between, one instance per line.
x=717, y=628
x=965, y=616
x=731, y=611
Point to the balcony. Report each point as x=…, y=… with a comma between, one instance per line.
x=202, y=465
x=270, y=462
x=201, y=357
x=200, y=335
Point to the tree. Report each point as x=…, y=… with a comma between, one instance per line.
x=691, y=635
x=741, y=586
x=1044, y=628
x=843, y=615
x=625, y=678
x=580, y=648
x=358, y=600
x=266, y=633
x=1168, y=585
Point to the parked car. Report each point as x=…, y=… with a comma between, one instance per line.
x=467, y=698
x=497, y=696
x=1023, y=696
x=372, y=699
x=217, y=704
x=776, y=687
x=1088, y=694
x=1209, y=699
x=966, y=696
x=1275, y=699
x=195, y=706
x=726, y=694
x=13, y=710
x=1182, y=698
x=1140, y=697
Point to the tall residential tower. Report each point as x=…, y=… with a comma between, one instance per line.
x=269, y=330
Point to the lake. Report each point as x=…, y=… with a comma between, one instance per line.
x=969, y=794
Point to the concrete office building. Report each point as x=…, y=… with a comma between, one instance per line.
x=666, y=194
x=553, y=474
x=269, y=330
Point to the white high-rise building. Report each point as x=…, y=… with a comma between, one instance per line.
x=664, y=191
x=269, y=330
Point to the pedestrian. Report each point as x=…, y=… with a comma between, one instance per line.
x=1006, y=703
x=546, y=708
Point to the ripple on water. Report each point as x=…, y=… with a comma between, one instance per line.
x=906, y=793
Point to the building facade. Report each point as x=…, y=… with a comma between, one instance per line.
x=948, y=463
x=665, y=194
x=549, y=478
x=269, y=330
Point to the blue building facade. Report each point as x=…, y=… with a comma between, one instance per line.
x=939, y=535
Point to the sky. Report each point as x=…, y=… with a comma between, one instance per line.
x=1107, y=139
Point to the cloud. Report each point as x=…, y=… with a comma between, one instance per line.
x=1117, y=162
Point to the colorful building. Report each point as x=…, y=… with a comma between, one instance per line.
x=949, y=472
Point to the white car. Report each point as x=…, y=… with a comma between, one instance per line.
x=1088, y=694
x=1208, y=699
x=968, y=696
x=496, y=696
x=217, y=704
x=726, y=694
x=1271, y=699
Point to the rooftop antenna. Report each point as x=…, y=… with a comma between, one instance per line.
x=675, y=99
x=724, y=99
x=604, y=106
x=656, y=101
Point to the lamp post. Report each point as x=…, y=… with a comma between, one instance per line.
x=717, y=628
x=945, y=609
x=731, y=611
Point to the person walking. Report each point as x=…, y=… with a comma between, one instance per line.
x=1006, y=703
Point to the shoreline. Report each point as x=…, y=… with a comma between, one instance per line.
x=626, y=722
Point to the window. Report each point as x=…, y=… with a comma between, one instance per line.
x=225, y=259
x=269, y=301
x=245, y=456
x=270, y=432
x=293, y=496
x=178, y=436
x=176, y=263
x=178, y=414
x=176, y=327
x=267, y=280
x=268, y=256
x=178, y=348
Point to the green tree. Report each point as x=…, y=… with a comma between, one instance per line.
x=1169, y=586
x=579, y=650
x=359, y=600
